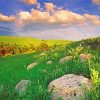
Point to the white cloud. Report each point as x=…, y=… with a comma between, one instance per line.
x=7, y=18
x=93, y=18
x=50, y=7
x=58, y=17
x=62, y=17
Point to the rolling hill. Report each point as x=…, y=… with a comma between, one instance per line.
x=13, y=69
x=30, y=40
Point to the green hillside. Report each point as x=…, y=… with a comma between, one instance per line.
x=14, y=68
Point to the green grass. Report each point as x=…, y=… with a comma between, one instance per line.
x=14, y=69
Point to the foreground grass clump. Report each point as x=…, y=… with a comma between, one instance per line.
x=13, y=69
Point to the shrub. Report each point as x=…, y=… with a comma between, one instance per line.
x=43, y=46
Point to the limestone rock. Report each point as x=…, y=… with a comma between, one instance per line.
x=84, y=57
x=22, y=87
x=69, y=87
x=32, y=65
x=65, y=59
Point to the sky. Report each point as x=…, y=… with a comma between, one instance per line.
x=50, y=19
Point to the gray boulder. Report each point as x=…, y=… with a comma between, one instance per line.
x=22, y=87
x=69, y=87
x=65, y=59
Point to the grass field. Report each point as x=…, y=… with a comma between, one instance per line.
x=11, y=45
x=28, y=40
x=14, y=69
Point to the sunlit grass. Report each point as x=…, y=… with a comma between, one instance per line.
x=14, y=68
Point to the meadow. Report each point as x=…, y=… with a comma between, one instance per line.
x=11, y=45
x=29, y=40
x=14, y=69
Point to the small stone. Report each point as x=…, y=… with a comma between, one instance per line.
x=32, y=65
x=22, y=87
x=43, y=54
x=84, y=57
x=49, y=62
x=65, y=59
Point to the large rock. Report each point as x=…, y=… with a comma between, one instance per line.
x=22, y=87
x=69, y=87
x=65, y=59
x=49, y=62
x=29, y=67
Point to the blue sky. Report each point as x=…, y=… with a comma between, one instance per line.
x=50, y=19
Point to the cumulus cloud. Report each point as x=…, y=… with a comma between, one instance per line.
x=35, y=16
x=93, y=18
x=50, y=7
x=63, y=17
x=7, y=18
x=58, y=16
x=97, y=2
x=32, y=2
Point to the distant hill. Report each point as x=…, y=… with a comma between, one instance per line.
x=11, y=45
x=29, y=40
x=92, y=43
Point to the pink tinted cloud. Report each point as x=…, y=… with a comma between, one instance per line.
x=58, y=17
x=50, y=7
x=32, y=2
x=7, y=18
x=63, y=17
x=97, y=2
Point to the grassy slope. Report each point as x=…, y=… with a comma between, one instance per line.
x=29, y=40
x=13, y=69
